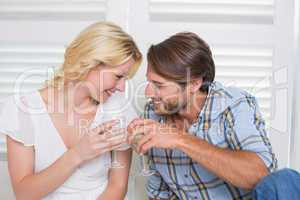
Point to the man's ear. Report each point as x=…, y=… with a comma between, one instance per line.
x=195, y=85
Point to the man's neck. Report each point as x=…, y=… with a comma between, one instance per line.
x=193, y=107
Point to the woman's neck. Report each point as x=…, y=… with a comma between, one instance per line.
x=72, y=98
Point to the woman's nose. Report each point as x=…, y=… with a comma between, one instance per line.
x=121, y=85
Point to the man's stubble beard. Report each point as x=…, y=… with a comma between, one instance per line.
x=169, y=108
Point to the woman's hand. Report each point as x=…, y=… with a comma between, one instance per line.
x=98, y=141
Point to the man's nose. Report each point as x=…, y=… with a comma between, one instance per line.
x=149, y=91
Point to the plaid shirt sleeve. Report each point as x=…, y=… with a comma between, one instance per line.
x=245, y=130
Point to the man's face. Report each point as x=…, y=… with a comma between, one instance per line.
x=168, y=97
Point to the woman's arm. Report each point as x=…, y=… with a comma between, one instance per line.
x=28, y=185
x=118, y=178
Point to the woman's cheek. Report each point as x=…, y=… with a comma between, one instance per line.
x=109, y=83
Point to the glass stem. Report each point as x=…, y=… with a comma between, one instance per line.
x=114, y=156
x=144, y=162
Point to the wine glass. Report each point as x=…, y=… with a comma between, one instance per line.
x=118, y=130
x=137, y=136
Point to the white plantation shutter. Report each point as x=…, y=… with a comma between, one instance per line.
x=34, y=34
x=28, y=64
x=58, y=10
x=231, y=11
x=247, y=68
x=250, y=42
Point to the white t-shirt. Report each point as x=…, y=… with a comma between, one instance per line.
x=25, y=119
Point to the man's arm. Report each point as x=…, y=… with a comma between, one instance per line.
x=248, y=158
x=240, y=168
x=243, y=169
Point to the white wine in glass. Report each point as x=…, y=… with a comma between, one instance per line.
x=119, y=130
x=137, y=136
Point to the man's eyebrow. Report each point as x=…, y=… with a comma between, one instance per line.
x=156, y=82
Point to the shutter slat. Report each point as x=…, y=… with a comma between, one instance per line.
x=233, y=11
x=246, y=67
x=54, y=10
x=31, y=64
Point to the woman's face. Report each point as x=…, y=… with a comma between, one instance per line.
x=103, y=81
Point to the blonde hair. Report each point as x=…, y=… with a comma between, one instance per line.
x=102, y=43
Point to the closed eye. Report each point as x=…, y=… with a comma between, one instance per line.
x=119, y=76
x=156, y=84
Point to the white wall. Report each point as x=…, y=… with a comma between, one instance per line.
x=295, y=158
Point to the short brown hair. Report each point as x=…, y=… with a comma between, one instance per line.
x=181, y=54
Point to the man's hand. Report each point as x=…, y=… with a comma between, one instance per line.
x=155, y=135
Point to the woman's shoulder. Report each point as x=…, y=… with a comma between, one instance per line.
x=19, y=102
x=11, y=104
x=15, y=117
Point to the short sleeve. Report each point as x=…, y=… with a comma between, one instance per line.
x=157, y=188
x=245, y=130
x=16, y=122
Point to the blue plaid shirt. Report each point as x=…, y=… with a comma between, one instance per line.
x=230, y=118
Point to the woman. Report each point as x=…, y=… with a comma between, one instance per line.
x=55, y=154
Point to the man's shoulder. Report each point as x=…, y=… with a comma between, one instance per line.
x=228, y=97
x=230, y=93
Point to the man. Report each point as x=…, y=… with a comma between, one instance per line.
x=206, y=141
